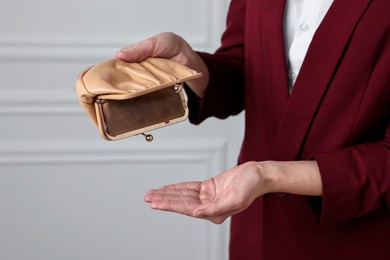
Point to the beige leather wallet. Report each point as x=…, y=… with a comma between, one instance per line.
x=127, y=99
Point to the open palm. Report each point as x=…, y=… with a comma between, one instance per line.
x=214, y=199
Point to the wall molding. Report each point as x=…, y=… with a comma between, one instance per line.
x=19, y=48
x=211, y=153
x=39, y=103
x=16, y=48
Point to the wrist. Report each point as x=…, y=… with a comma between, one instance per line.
x=296, y=177
x=198, y=85
x=270, y=176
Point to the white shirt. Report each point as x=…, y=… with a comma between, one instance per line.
x=301, y=20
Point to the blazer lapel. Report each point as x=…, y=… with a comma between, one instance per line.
x=320, y=63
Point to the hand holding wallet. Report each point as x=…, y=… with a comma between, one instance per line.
x=126, y=99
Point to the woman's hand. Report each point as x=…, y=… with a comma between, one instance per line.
x=169, y=46
x=215, y=199
x=233, y=191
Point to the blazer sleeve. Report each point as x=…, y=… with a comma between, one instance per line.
x=356, y=179
x=224, y=95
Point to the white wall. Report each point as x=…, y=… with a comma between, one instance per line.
x=64, y=192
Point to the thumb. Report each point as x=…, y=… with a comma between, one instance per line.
x=213, y=214
x=137, y=52
x=213, y=209
x=221, y=208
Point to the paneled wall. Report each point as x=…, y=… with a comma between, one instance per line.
x=64, y=192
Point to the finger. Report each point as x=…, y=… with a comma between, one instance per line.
x=169, y=197
x=185, y=192
x=166, y=197
x=138, y=52
x=193, y=185
x=177, y=206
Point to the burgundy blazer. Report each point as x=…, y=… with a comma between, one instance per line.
x=338, y=114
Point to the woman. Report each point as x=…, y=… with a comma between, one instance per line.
x=313, y=180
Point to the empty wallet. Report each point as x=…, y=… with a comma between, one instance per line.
x=126, y=99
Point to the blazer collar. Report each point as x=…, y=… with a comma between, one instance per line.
x=324, y=53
